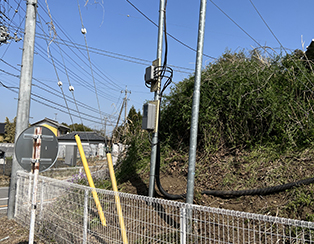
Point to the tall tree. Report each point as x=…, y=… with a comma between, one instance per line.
x=78, y=127
x=9, y=128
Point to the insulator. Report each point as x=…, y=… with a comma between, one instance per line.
x=71, y=88
x=84, y=31
x=59, y=83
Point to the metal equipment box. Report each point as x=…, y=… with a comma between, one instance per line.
x=149, y=116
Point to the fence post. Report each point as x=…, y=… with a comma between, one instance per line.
x=183, y=225
x=30, y=188
x=41, y=199
x=17, y=194
x=85, y=217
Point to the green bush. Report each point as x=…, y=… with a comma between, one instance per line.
x=246, y=101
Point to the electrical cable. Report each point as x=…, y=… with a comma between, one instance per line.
x=90, y=62
x=52, y=89
x=9, y=24
x=174, y=38
x=229, y=194
x=53, y=63
x=119, y=56
x=74, y=44
x=273, y=34
x=50, y=106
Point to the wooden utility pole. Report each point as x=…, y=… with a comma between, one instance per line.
x=23, y=108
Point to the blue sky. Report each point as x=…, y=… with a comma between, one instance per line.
x=118, y=32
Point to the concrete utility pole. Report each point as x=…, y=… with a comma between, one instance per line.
x=125, y=102
x=153, y=155
x=23, y=108
x=195, y=103
x=116, y=127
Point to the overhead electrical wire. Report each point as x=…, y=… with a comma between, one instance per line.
x=106, y=77
x=119, y=56
x=174, y=38
x=81, y=104
x=273, y=34
x=72, y=42
x=9, y=24
x=78, y=79
x=90, y=108
x=54, y=66
x=89, y=59
x=45, y=104
x=74, y=73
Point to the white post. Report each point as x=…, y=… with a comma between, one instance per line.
x=85, y=217
x=17, y=195
x=36, y=159
x=33, y=207
x=182, y=225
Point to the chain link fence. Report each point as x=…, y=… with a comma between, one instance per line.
x=66, y=213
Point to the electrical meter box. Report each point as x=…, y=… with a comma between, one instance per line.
x=149, y=116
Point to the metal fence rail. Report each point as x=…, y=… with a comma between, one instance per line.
x=66, y=213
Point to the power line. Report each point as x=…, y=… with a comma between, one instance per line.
x=47, y=100
x=55, y=94
x=174, y=38
x=67, y=36
x=73, y=61
x=282, y=47
x=89, y=59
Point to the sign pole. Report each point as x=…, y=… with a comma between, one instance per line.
x=35, y=170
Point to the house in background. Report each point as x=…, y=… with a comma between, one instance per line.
x=54, y=126
x=2, y=131
x=7, y=148
x=93, y=145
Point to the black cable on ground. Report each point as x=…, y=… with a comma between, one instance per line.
x=229, y=194
x=261, y=191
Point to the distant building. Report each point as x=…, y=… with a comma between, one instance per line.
x=54, y=126
x=310, y=51
x=2, y=131
x=93, y=145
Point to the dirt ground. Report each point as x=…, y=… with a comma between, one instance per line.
x=4, y=180
x=13, y=233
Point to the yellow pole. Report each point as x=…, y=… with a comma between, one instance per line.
x=90, y=180
x=117, y=198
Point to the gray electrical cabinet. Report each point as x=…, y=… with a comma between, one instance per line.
x=149, y=116
x=70, y=155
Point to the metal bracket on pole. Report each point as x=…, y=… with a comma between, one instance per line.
x=155, y=85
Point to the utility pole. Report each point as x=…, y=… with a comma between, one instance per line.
x=195, y=103
x=116, y=127
x=153, y=156
x=23, y=108
x=105, y=126
x=125, y=102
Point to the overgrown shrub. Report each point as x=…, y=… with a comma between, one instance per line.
x=246, y=100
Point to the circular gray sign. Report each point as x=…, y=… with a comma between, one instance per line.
x=48, y=149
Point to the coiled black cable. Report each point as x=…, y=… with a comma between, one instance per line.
x=229, y=194
x=260, y=191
